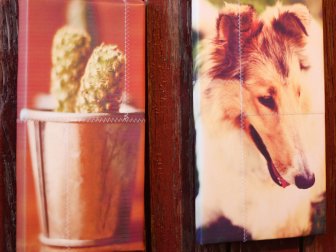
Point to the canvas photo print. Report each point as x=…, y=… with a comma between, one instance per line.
x=259, y=118
x=81, y=126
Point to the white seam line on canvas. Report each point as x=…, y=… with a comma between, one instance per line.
x=242, y=126
x=132, y=120
x=26, y=57
x=98, y=120
x=67, y=218
x=126, y=53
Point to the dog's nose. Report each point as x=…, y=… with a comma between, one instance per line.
x=305, y=181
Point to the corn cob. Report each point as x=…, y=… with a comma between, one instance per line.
x=70, y=51
x=101, y=86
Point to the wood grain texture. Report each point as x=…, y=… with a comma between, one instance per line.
x=8, y=77
x=171, y=136
x=283, y=245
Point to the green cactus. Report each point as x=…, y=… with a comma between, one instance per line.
x=70, y=51
x=101, y=86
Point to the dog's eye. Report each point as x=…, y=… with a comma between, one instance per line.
x=267, y=101
x=304, y=67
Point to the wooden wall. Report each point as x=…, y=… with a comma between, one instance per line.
x=170, y=175
x=8, y=76
x=171, y=135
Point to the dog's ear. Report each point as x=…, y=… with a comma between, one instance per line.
x=293, y=21
x=234, y=18
x=234, y=25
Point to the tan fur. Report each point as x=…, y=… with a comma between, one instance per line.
x=286, y=64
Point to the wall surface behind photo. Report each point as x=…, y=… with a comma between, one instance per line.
x=170, y=177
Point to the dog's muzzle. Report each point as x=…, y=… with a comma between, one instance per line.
x=305, y=181
x=275, y=175
x=302, y=181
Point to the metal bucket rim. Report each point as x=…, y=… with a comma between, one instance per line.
x=51, y=116
x=60, y=242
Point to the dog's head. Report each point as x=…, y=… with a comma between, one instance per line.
x=267, y=56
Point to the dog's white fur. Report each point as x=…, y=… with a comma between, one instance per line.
x=233, y=174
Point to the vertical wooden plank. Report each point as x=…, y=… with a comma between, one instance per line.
x=213, y=248
x=171, y=132
x=279, y=245
x=8, y=77
x=327, y=242
x=187, y=127
x=171, y=175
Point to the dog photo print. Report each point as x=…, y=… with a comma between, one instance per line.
x=259, y=118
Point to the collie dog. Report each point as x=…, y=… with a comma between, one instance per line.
x=259, y=115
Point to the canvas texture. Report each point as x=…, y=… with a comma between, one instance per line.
x=259, y=112
x=81, y=125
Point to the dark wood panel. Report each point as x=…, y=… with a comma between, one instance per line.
x=212, y=248
x=283, y=245
x=171, y=136
x=8, y=76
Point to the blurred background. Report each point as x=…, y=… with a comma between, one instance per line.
x=315, y=6
x=104, y=20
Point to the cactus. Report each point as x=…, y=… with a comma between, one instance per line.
x=101, y=89
x=76, y=15
x=70, y=51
